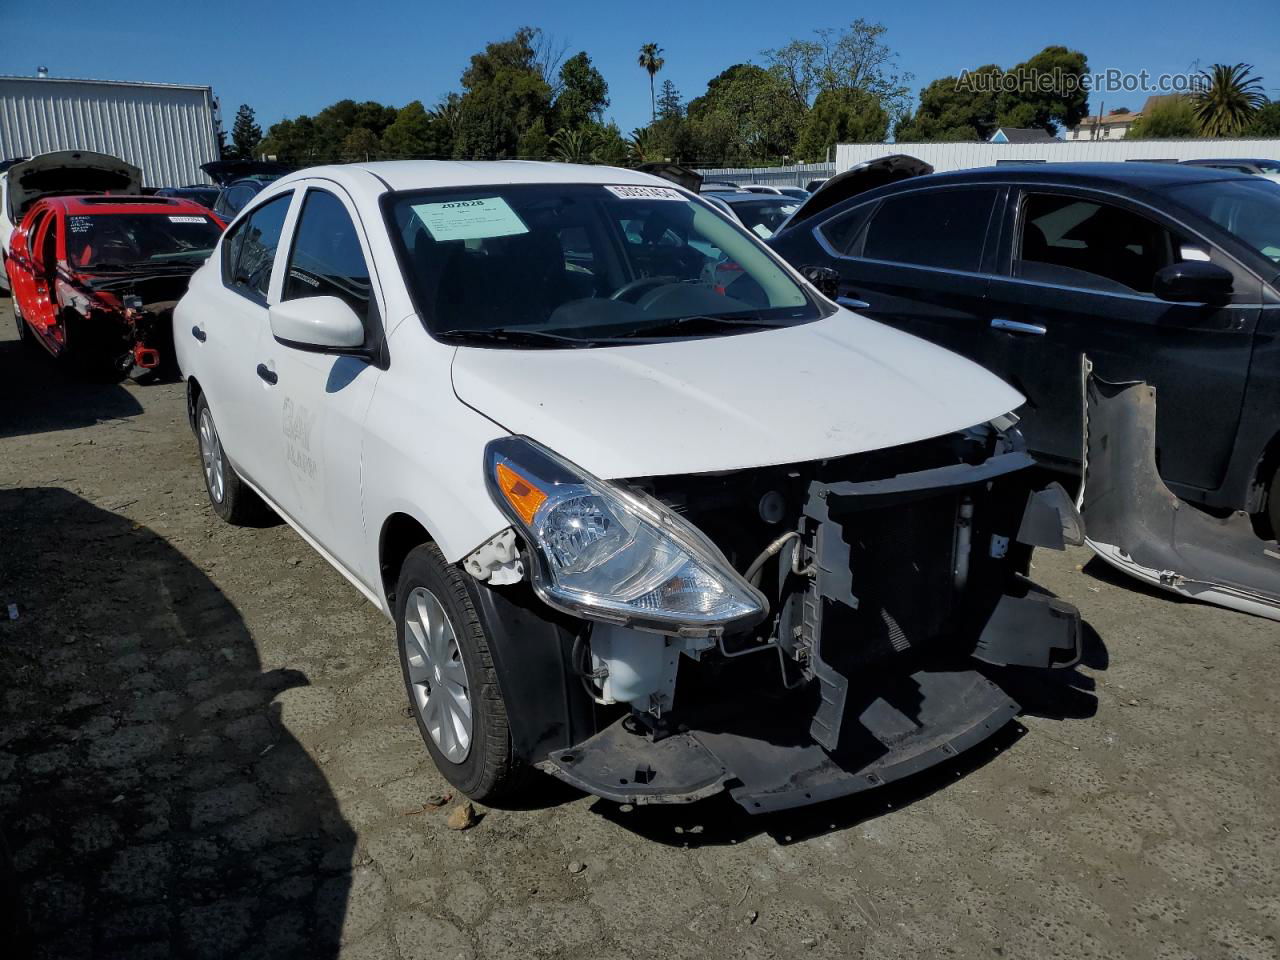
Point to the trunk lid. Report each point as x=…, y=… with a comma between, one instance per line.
x=68, y=172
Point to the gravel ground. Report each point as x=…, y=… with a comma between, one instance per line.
x=204, y=751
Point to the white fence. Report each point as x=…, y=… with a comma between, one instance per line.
x=963, y=156
x=795, y=175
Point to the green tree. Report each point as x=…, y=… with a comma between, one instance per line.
x=669, y=102
x=292, y=141
x=504, y=94
x=359, y=145
x=1049, y=93
x=584, y=94
x=245, y=134
x=417, y=132
x=952, y=111
x=746, y=115
x=841, y=116
x=1266, y=122
x=1228, y=98
x=650, y=60
x=534, y=144
x=853, y=58
x=1168, y=120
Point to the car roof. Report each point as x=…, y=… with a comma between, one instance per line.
x=1205, y=161
x=1135, y=175
x=426, y=174
x=100, y=203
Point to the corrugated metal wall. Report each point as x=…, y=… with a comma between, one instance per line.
x=963, y=156
x=167, y=130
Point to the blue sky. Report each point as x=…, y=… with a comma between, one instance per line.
x=286, y=57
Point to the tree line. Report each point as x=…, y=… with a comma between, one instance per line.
x=523, y=98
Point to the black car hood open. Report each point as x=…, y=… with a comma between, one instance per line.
x=223, y=172
x=858, y=179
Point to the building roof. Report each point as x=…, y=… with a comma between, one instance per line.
x=1022, y=135
x=10, y=78
x=1109, y=119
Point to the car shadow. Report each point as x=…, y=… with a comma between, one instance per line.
x=152, y=800
x=1056, y=694
x=39, y=396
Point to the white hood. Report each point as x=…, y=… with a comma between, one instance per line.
x=837, y=386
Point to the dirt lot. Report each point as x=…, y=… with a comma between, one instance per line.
x=203, y=751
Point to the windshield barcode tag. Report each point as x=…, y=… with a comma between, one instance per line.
x=638, y=192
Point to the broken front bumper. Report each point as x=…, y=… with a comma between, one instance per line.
x=880, y=647
x=1138, y=525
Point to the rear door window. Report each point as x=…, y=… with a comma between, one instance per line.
x=934, y=228
x=326, y=259
x=252, y=253
x=1084, y=243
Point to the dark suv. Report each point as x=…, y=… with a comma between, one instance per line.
x=1158, y=273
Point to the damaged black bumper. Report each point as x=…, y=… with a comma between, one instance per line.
x=877, y=654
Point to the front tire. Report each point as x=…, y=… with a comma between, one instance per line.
x=450, y=679
x=230, y=497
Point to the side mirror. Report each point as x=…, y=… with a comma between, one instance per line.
x=318, y=324
x=826, y=279
x=1193, y=281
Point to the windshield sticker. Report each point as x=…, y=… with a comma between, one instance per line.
x=762, y=231
x=470, y=219
x=187, y=220
x=637, y=192
x=80, y=224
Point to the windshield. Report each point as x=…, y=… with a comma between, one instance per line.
x=764, y=217
x=138, y=239
x=1250, y=209
x=586, y=262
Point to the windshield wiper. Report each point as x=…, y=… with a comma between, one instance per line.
x=674, y=324
x=517, y=335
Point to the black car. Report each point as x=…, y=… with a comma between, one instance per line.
x=240, y=181
x=1161, y=273
x=1257, y=166
x=204, y=195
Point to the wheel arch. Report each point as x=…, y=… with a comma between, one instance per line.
x=194, y=391
x=401, y=532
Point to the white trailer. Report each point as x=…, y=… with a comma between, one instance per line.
x=166, y=129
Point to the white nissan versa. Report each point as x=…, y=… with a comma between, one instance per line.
x=579, y=435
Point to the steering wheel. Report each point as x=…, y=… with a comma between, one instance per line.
x=631, y=290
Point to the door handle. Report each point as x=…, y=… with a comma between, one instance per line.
x=1017, y=326
x=199, y=334
x=853, y=303
x=267, y=374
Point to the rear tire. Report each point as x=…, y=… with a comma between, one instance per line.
x=230, y=497
x=450, y=679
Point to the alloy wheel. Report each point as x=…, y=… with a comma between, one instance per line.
x=211, y=457
x=437, y=676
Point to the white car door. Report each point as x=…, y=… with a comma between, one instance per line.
x=226, y=333
x=319, y=400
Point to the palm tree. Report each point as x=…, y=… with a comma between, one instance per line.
x=1227, y=99
x=650, y=59
x=574, y=146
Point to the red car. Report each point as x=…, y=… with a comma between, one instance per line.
x=95, y=278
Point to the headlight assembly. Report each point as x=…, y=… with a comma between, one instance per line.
x=603, y=552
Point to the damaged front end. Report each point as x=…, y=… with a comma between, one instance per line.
x=124, y=317
x=822, y=619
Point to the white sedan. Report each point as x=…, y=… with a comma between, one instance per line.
x=577, y=432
